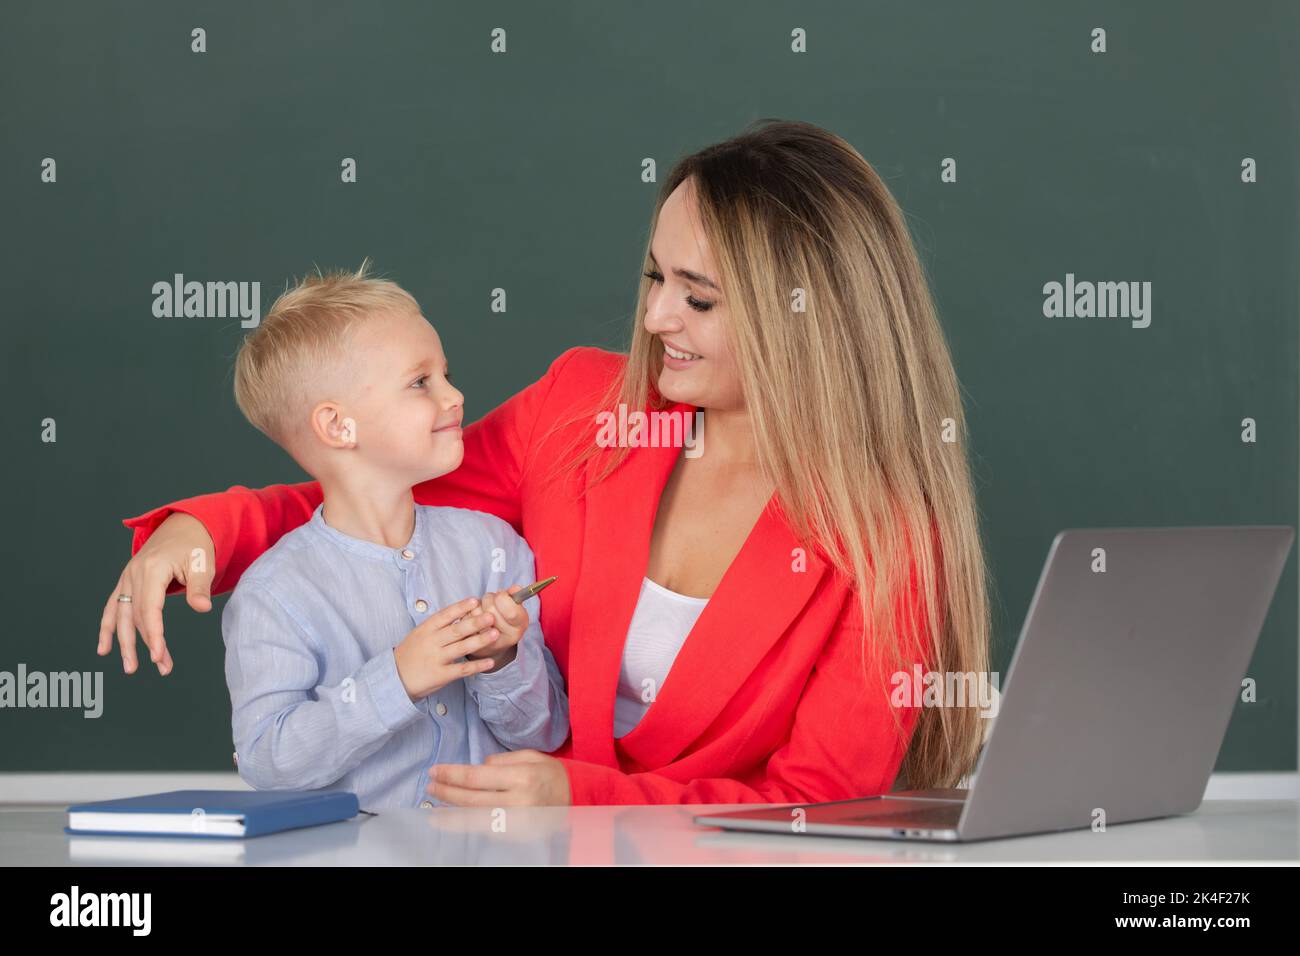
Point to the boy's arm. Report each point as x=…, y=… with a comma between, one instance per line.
x=290, y=732
x=523, y=703
x=245, y=522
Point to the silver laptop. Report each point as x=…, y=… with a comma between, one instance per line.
x=1117, y=698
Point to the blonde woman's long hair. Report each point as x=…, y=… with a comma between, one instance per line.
x=854, y=403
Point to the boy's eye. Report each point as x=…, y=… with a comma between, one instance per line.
x=447, y=375
x=419, y=382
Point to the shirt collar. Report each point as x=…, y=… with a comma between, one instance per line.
x=372, y=549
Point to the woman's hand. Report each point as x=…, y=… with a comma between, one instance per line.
x=519, y=778
x=179, y=550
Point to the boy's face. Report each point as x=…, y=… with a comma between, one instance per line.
x=405, y=414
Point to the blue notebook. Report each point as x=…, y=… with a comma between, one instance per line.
x=219, y=814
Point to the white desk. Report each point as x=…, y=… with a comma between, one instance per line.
x=1221, y=830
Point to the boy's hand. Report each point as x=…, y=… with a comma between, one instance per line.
x=511, y=620
x=427, y=657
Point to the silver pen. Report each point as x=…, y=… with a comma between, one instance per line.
x=523, y=595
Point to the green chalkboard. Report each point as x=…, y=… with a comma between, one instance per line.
x=522, y=170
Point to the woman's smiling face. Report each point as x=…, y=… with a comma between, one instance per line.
x=686, y=312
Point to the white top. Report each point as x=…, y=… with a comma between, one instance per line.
x=660, y=623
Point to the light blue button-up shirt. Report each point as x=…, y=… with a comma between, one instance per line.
x=315, y=695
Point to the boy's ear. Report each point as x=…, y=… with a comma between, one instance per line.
x=332, y=427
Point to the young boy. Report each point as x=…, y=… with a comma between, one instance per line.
x=343, y=672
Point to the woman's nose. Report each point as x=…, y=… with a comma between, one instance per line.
x=662, y=318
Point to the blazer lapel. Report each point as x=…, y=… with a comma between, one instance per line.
x=753, y=605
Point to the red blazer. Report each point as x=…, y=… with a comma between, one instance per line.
x=765, y=702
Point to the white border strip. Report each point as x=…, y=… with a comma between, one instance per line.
x=69, y=788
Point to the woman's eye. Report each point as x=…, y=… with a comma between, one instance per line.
x=699, y=305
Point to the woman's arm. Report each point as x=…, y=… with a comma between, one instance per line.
x=225, y=532
x=242, y=523
x=245, y=522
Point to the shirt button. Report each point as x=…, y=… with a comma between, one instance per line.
x=422, y=605
x=441, y=710
x=425, y=805
x=408, y=554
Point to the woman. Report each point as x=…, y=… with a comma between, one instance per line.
x=783, y=299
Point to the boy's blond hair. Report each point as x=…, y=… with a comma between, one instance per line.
x=302, y=340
